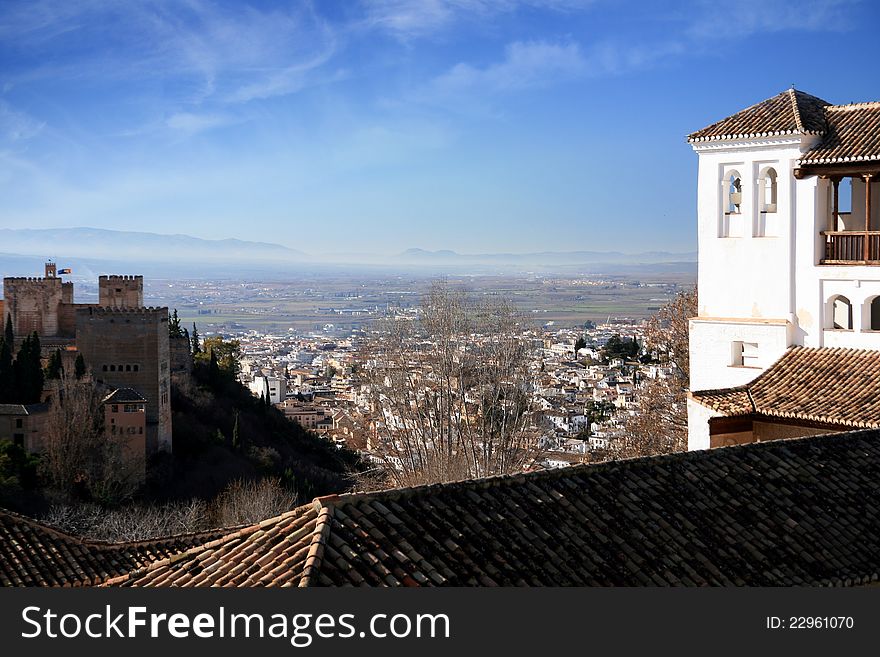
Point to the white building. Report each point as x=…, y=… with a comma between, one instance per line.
x=788, y=211
x=272, y=387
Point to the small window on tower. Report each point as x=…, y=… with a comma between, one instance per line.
x=744, y=354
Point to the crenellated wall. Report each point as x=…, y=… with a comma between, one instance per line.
x=121, y=291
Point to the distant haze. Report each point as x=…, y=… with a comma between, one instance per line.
x=183, y=252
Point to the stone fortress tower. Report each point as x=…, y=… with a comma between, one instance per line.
x=127, y=347
x=44, y=305
x=121, y=291
x=123, y=343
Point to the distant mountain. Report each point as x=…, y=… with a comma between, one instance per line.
x=138, y=247
x=544, y=258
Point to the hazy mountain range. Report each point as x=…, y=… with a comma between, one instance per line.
x=178, y=253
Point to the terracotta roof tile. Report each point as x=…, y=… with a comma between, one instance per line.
x=853, y=135
x=803, y=511
x=835, y=386
x=790, y=113
x=34, y=554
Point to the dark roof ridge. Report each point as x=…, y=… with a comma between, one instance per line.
x=503, y=479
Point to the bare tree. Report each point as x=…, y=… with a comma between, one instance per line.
x=130, y=523
x=244, y=502
x=452, y=391
x=659, y=425
x=77, y=456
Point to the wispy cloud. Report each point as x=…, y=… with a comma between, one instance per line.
x=525, y=64
x=191, y=123
x=713, y=20
x=410, y=19
x=16, y=125
x=214, y=51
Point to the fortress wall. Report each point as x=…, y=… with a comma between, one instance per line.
x=129, y=347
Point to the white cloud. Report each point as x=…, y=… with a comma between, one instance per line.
x=525, y=64
x=192, y=123
x=16, y=125
x=714, y=20
x=210, y=51
x=409, y=19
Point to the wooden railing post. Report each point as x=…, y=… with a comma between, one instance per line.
x=867, y=178
x=835, y=210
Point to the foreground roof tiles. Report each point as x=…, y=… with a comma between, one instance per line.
x=34, y=554
x=833, y=386
x=791, y=512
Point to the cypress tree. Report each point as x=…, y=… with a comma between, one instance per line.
x=195, y=340
x=79, y=366
x=9, y=334
x=235, y=440
x=7, y=373
x=54, y=369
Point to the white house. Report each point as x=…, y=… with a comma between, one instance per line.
x=788, y=213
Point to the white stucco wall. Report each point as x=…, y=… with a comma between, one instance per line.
x=711, y=357
x=698, y=425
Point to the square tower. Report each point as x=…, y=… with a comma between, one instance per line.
x=121, y=291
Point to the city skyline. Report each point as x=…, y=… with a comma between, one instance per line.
x=379, y=126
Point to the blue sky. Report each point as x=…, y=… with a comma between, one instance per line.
x=378, y=125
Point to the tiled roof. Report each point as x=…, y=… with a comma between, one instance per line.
x=124, y=395
x=833, y=386
x=274, y=552
x=790, y=113
x=788, y=512
x=12, y=409
x=853, y=135
x=34, y=554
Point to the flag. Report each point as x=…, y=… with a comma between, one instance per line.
x=65, y=271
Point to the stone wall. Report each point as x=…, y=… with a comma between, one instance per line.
x=129, y=347
x=121, y=291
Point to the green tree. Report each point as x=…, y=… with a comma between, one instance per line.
x=7, y=373
x=9, y=335
x=196, y=345
x=235, y=437
x=226, y=354
x=54, y=369
x=579, y=344
x=29, y=371
x=174, y=329
x=617, y=347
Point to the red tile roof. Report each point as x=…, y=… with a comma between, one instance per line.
x=849, y=133
x=853, y=135
x=34, y=554
x=788, y=512
x=790, y=113
x=832, y=386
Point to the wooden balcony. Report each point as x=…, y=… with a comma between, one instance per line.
x=852, y=247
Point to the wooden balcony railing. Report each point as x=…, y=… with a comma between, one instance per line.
x=852, y=247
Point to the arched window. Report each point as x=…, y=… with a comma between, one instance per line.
x=767, y=191
x=113, y=368
x=874, y=314
x=841, y=313
x=734, y=193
